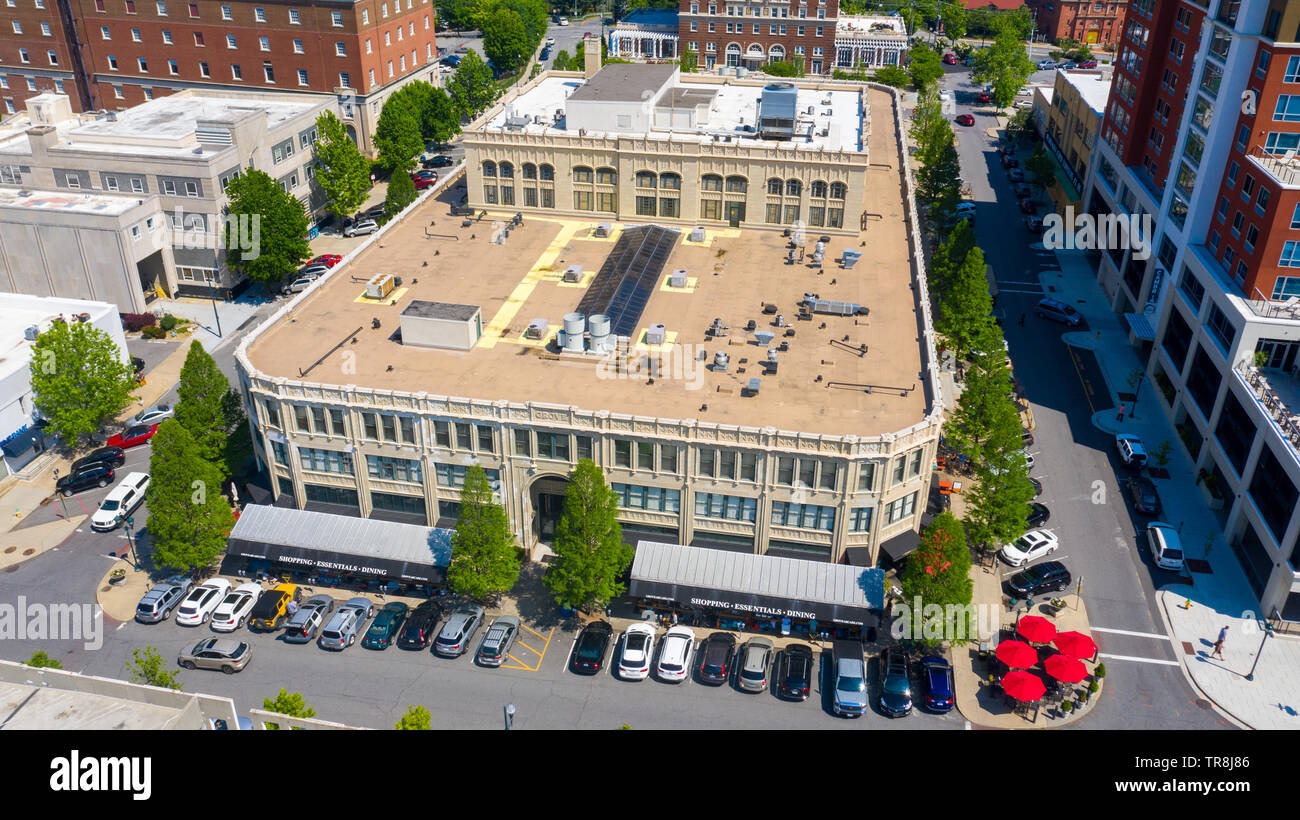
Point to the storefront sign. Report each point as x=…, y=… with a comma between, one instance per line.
x=758, y=609
x=336, y=562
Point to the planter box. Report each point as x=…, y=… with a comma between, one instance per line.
x=1211, y=501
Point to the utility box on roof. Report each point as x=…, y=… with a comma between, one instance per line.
x=441, y=324
x=380, y=286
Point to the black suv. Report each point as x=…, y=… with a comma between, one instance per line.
x=419, y=629
x=96, y=475
x=589, y=651
x=1049, y=576
x=895, y=683
x=715, y=657
x=795, y=672
x=112, y=456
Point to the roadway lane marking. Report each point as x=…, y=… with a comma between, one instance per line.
x=1138, y=660
x=1087, y=388
x=1030, y=284
x=1002, y=290
x=1128, y=632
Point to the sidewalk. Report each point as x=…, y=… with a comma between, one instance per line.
x=1219, y=596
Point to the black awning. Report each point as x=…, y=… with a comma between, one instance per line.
x=325, y=561
x=901, y=545
x=33, y=438
x=858, y=556
x=763, y=606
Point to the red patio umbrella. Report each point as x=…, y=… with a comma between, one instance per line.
x=1036, y=629
x=1023, y=686
x=1076, y=645
x=1065, y=669
x=1017, y=654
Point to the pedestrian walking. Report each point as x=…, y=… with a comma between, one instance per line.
x=372, y=180
x=1123, y=408
x=1218, y=649
x=1022, y=320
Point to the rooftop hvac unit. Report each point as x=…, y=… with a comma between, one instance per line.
x=379, y=286
x=721, y=361
x=678, y=278
x=573, y=273
x=851, y=258
x=655, y=335
x=765, y=337
x=598, y=329
x=32, y=333
x=835, y=308
x=753, y=387
x=604, y=229
x=697, y=233
x=571, y=337
x=536, y=329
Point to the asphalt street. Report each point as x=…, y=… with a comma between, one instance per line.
x=567, y=39
x=1074, y=460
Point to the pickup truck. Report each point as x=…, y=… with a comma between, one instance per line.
x=850, y=696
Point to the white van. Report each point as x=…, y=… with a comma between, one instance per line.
x=1166, y=546
x=121, y=502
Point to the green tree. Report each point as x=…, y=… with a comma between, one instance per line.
x=954, y=20
x=484, y=556
x=189, y=519
x=965, y=302
x=471, y=87
x=78, y=379
x=938, y=179
x=892, y=75
x=689, y=61
x=784, y=68
x=439, y=121
x=458, y=14
x=416, y=718
x=563, y=61
x=397, y=135
x=147, y=667
x=199, y=406
x=401, y=192
x=41, y=660
x=239, y=439
x=288, y=703
x=505, y=42
x=282, y=239
x=343, y=174
x=998, y=505
x=1005, y=64
x=983, y=408
x=1041, y=168
x=938, y=572
x=590, y=555
x=948, y=258
x=924, y=67
x=532, y=13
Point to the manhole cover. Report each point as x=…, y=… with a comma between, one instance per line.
x=29, y=551
x=1203, y=703
x=105, y=588
x=1188, y=649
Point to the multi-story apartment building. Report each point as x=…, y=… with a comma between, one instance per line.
x=109, y=54
x=1072, y=125
x=1201, y=134
x=1095, y=22
x=748, y=34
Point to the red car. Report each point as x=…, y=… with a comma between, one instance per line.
x=423, y=179
x=329, y=260
x=1027, y=206
x=1088, y=64
x=984, y=97
x=132, y=436
x=950, y=58
x=965, y=119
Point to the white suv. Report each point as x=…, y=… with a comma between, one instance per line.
x=1131, y=451
x=1030, y=546
x=1166, y=546
x=231, y=613
x=675, y=654
x=198, y=606
x=120, y=503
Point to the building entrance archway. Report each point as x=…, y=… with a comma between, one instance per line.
x=546, y=495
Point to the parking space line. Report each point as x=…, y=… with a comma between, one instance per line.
x=541, y=654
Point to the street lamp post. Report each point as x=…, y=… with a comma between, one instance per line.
x=63, y=502
x=1268, y=633
x=510, y=716
x=135, y=558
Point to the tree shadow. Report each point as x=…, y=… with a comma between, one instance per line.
x=533, y=600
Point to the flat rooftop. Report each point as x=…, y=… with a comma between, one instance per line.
x=19, y=311
x=648, y=17
x=835, y=113
x=870, y=26
x=39, y=707
x=623, y=82
x=1093, y=87
x=731, y=275
x=87, y=203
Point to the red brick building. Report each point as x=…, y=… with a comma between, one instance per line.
x=1095, y=22
x=108, y=54
x=748, y=34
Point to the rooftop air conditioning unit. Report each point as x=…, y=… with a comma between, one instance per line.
x=536, y=329
x=678, y=278
x=655, y=335
x=573, y=273
x=379, y=286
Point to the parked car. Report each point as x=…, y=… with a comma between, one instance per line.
x=675, y=654
x=589, y=650
x=1035, y=224
x=1058, y=312
x=850, y=698
x=425, y=174
x=755, y=658
x=298, y=285
x=440, y=161
x=965, y=119
x=563, y=21
x=984, y=97
x=269, y=611
x=451, y=60
x=197, y=607
x=1068, y=65
x=1088, y=64
x=158, y=602
x=1028, y=206
x=1010, y=161
x=1038, y=514
x=1021, y=190
x=1029, y=547
x=1016, y=175
x=233, y=610
x=362, y=228
x=1024, y=105
x=133, y=436
x=550, y=41
x=329, y=260
x=795, y=671
x=1166, y=545
x=217, y=653
x=153, y=415
x=1142, y=492
x=1132, y=452
x=715, y=658
x=1037, y=485
x=304, y=624
x=895, y=682
x=936, y=673
x=124, y=499
x=498, y=641
x=1049, y=576
x=112, y=456
x=341, y=631
x=316, y=270
x=459, y=630
x=945, y=96
x=1044, y=65
x=419, y=628
x=638, y=647
x=386, y=626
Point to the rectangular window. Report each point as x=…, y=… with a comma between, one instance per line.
x=1287, y=108
x=167, y=38
x=393, y=469
x=442, y=434
x=900, y=509
x=302, y=77
x=866, y=476
x=340, y=48
x=860, y=519
x=336, y=422
x=389, y=426
x=235, y=72
x=748, y=466
x=269, y=71
x=804, y=516
x=484, y=439
x=293, y=17
x=829, y=474
x=264, y=43
x=259, y=14
x=523, y=444
x=622, y=453
x=728, y=507
x=708, y=462
x=325, y=461
x=336, y=19
x=230, y=41
x=807, y=472
x=135, y=35
x=1292, y=74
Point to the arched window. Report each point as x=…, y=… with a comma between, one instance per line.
x=530, y=171
x=838, y=190
x=737, y=185
x=507, y=171
x=645, y=179
x=793, y=187
x=606, y=176
x=581, y=174
x=672, y=182
x=776, y=53
x=711, y=182
x=489, y=168
x=548, y=172
x=774, y=186
x=818, y=190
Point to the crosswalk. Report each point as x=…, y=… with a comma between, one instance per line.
x=1135, y=658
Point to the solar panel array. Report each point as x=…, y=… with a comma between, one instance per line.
x=630, y=274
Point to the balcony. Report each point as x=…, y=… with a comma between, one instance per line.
x=1278, y=392
x=1284, y=168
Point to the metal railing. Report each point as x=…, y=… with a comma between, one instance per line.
x=1283, y=169
x=1273, y=404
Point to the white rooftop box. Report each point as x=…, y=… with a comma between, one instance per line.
x=441, y=324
